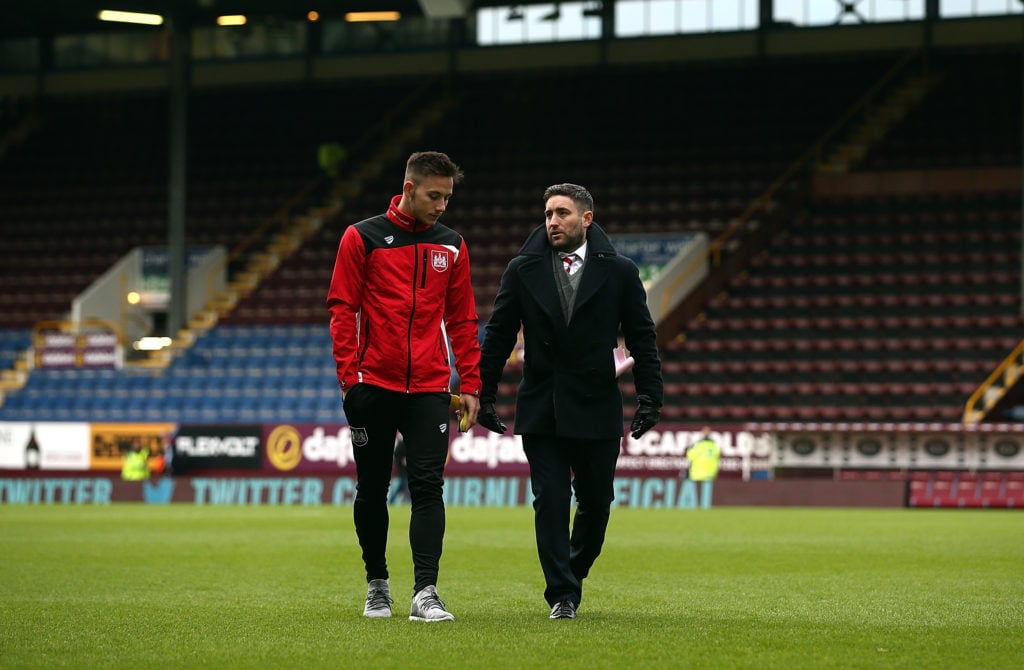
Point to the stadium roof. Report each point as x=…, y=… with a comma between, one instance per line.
x=39, y=18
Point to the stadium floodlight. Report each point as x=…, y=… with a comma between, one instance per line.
x=232, y=20
x=151, y=343
x=362, y=17
x=130, y=17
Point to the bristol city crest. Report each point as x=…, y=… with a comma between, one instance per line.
x=439, y=260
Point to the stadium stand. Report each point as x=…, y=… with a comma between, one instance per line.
x=78, y=201
x=234, y=374
x=881, y=307
x=865, y=308
x=844, y=319
x=635, y=182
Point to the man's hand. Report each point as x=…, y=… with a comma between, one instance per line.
x=488, y=417
x=648, y=413
x=465, y=407
x=470, y=406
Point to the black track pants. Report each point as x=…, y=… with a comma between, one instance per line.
x=374, y=416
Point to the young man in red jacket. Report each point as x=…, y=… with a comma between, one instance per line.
x=400, y=292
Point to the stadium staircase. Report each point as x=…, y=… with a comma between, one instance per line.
x=289, y=231
x=879, y=120
x=281, y=288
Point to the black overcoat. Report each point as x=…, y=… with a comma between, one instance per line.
x=569, y=386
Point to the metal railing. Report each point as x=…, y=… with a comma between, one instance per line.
x=1005, y=373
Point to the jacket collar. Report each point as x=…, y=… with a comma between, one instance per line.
x=398, y=217
x=598, y=243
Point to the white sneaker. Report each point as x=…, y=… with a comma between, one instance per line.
x=427, y=606
x=378, y=599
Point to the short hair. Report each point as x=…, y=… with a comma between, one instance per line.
x=424, y=164
x=581, y=196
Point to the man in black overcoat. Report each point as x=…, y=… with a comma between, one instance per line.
x=573, y=296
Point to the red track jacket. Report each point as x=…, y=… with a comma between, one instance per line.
x=398, y=292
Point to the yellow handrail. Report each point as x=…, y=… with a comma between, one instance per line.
x=280, y=215
x=970, y=413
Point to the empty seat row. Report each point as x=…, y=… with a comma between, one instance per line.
x=814, y=392
x=870, y=304
x=750, y=347
x=884, y=281
x=966, y=489
x=830, y=237
x=905, y=261
x=732, y=413
x=828, y=370
x=977, y=325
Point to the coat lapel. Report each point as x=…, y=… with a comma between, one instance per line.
x=594, y=276
x=538, y=276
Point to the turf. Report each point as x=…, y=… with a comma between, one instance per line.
x=136, y=586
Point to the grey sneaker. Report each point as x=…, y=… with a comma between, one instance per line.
x=427, y=606
x=378, y=599
x=563, y=610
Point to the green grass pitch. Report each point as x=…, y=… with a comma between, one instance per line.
x=182, y=586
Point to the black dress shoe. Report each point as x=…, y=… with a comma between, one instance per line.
x=563, y=610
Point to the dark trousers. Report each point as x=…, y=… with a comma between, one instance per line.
x=374, y=416
x=559, y=466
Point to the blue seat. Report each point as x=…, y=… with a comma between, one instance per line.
x=58, y=408
x=99, y=409
x=118, y=412
x=177, y=387
x=135, y=405
x=14, y=406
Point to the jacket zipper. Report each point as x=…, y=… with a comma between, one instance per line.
x=412, y=316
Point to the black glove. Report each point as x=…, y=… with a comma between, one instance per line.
x=488, y=417
x=648, y=413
